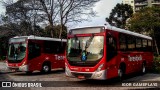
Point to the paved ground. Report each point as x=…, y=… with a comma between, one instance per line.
x=58, y=81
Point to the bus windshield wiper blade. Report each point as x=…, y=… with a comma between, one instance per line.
x=88, y=43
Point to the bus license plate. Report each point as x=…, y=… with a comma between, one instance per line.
x=81, y=77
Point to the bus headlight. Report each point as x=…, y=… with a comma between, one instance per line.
x=66, y=67
x=68, y=71
x=6, y=64
x=24, y=68
x=100, y=67
x=24, y=63
x=6, y=67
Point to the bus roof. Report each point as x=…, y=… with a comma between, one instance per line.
x=128, y=32
x=110, y=28
x=41, y=38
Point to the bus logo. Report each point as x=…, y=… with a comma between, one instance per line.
x=135, y=58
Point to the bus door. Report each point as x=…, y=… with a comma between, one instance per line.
x=111, y=47
x=34, y=51
x=111, y=53
x=60, y=53
x=55, y=51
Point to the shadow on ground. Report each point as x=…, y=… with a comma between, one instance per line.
x=38, y=73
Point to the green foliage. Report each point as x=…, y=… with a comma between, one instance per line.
x=2, y=58
x=156, y=65
x=3, y=46
x=146, y=20
x=119, y=15
x=56, y=31
x=54, y=12
x=26, y=14
x=22, y=29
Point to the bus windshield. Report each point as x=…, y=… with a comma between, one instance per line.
x=16, y=51
x=86, y=50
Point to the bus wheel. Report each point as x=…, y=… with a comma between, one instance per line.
x=143, y=68
x=46, y=68
x=29, y=72
x=121, y=71
x=120, y=74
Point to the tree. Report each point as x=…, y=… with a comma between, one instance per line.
x=147, y=21
x=63, y=11
x=56, y=31
x=3, y=46
x=24, y=13
x=5, y=34
x=23, y=28
x=55, y=12
x=119, y=15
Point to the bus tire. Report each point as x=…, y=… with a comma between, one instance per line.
x=46, y=68
x=143, y=68
x=120, y=74
x=121, y=71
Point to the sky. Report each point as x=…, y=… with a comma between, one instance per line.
x=103, y=9
x=2, y=8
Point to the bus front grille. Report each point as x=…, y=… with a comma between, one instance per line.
x=86, y=75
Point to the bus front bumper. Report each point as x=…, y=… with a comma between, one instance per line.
x=24, y=68
x=100, y=75
x=13, y=69
x=20, y=68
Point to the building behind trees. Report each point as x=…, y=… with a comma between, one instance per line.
x=140, y=4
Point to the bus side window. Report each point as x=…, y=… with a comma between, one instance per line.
x=111, y=47
x=54, y=47
x=63, y=47
x=48, y=47
x=60, y=48
x=34, y=50
x=149, y=48
x=144, y=42
x=131, y=43
x=122, y=42
x=139, y=44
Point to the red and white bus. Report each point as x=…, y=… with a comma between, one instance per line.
x=104, y=53
x=30, y=53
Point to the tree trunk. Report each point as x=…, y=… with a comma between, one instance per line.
x=60, y=32
x=61, y=17
x=51, y=26
x=155, y=42
x=52, y=33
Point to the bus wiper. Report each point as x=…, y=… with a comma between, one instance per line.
x=16, y=54
x=84, y=53
x=88, y=43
